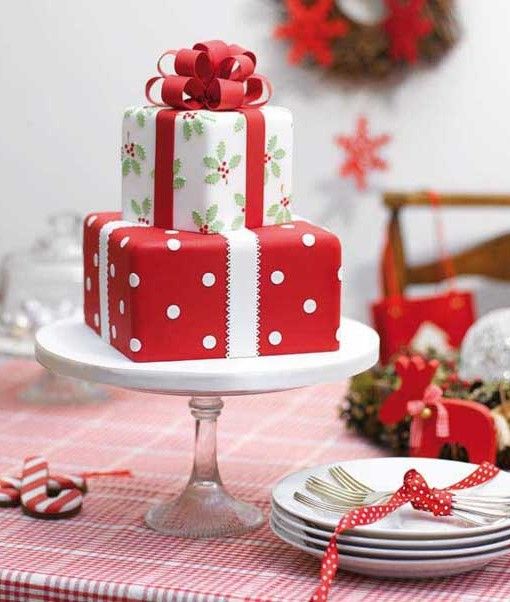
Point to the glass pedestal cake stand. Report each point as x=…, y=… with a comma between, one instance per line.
x=204, y=508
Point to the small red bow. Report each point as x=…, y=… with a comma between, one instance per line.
x=414, y=490
x=211, y=75
x=431, y=398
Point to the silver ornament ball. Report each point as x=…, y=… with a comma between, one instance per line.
x=485, y=350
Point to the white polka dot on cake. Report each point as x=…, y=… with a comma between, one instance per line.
x=114, y=332
x=96, y=320
x=88, y=283
x=135, y=345
x=173, y=312
x=134, y=280
x=173, y=244
x=91, y=220
x=112, y=270
x=96, y=260
x=308, y=239
x=340, y=273
x=124, y=242
x=275, y=337
x=209, y=342
x=310, y=305
x=122, y=307
x=337, y=334
x=277, y=277
x=171, y=231
x=208, y=279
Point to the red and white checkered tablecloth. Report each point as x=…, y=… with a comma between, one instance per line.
x=106, y=554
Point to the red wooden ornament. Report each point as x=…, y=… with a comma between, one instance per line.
x=470, y=424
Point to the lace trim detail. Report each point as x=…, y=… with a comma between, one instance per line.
x=229, y=293
x=257, y=300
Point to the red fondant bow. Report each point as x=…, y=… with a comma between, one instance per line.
x=211, y=75
x=414, y=490
x=431, y=398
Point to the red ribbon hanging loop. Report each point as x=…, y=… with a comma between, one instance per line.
x=211, y=75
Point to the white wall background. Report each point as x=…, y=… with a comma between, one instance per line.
x=68, y=68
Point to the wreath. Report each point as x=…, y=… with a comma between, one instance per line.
x=368, y=390
x=411, y=32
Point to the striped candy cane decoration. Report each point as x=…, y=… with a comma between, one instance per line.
x=35, y=498
x=9, y=491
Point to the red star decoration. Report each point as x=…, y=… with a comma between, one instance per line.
x=405, y=27
x=361, y=153
x=311, y=30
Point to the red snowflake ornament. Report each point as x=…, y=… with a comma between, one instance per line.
x=361, y=153
x=405, y=26
x=311, y=30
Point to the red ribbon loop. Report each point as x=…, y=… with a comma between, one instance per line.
x=210, y=75
x=432, y=398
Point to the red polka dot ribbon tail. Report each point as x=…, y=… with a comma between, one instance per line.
x=414, y=490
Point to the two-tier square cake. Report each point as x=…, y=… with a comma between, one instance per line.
x=205, y=260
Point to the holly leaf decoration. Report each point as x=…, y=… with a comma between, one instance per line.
x=273, y=210
x=197, y=219
x=140, y=152
x=275, y=168
x=187, y=130
x=279, y=154
x=146, y=205
x=135, y=166
x=179, y=182
x=238, y=222
x=177, y=166
x=234, y=161
x=279, y=217
x=128, y=112
x=239, y=124
x=137, y=210
x=286, y=215
x=221, y=149
x=198, y=126
x=126, y=167
x=212, y=178
x=211, y=162
x=140, y=118
x=217, y=226
x=271, y=145
x=239, y=199
x=211, y=213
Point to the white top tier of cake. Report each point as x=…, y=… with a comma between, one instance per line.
x=209, y=168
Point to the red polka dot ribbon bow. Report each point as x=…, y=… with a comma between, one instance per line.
x=211, y=75
x=414, y=490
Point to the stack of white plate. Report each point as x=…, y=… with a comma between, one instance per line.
x=405, y=544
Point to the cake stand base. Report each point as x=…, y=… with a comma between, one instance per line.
x=204, y=508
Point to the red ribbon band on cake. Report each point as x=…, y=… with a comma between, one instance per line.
x=218, y=77
x=414, y=490
x=431, y=399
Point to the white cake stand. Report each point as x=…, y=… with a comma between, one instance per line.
x=204, y=508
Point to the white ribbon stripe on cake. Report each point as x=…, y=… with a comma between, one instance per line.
x=243, y=284
x=104, y=238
